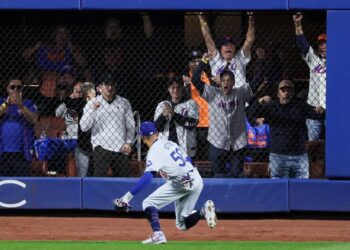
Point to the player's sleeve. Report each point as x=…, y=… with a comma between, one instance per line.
x=153, y=161
x=142, y=182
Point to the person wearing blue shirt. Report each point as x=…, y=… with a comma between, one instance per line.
x=17, y=120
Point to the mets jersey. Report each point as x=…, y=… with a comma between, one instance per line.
x=317, y=85
x=168, y=159
x=237, y=65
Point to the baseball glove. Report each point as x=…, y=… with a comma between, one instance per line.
x=121, y=206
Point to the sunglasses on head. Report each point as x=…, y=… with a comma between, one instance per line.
x=17, y=87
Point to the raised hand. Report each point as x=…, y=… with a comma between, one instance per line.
x=251, y=16
x=297, y=18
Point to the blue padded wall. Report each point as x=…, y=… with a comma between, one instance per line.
x=40, y=4
x=185, y=5
x=338, y=98
x=40, y=193
x=319, y=195
x=230, y=195
x=319, y=4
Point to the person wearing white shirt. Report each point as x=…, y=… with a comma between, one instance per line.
x=316, y=61
x=229, y=57
x=112, y=124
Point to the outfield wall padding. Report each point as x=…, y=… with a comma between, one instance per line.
x=319, y=195
x=230, y=195
x=40, y=193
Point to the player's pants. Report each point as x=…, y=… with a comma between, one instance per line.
x=174, y=191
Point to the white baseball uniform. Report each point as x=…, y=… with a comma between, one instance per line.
x=184, y=183
x=317, y=85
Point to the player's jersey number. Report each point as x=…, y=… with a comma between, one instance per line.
x=178, y=157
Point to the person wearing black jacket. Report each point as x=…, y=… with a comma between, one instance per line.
x=287, y=119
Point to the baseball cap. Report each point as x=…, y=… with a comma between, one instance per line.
x=226, y=40
x=322, y=37
x=285, y=83
x=147, y=128
x=195, y=54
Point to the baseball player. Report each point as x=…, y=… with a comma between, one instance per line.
x=316, y=60
x=183, y=186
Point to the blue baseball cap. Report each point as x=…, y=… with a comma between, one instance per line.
x=226, y=40
x=147, y=129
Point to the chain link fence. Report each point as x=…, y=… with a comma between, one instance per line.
x=60, y=70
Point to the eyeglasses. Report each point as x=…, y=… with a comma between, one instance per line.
x=17, y=87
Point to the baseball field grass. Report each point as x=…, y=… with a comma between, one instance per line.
x=189, y=245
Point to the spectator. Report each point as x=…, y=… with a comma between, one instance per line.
x=18, y=118
x=110, y=118
x=117, y=54
x=316, y=60
x=287, y=118
x=53, y=57
x=261, y=73
x=110, y=53
x=65, y=86
x=229, y=57
x=83, y=151
x=227, y=131
x=203, y=121
x=176, y=118
x=47, y=105
x=72, y=110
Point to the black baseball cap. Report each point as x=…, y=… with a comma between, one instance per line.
x=195, y=54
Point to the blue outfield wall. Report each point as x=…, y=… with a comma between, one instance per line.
x=338, y=93
x=319, y=195
x=40, y=193
x=40, y=4
x=185, y=5
x=318, y=4
x=175, y=5
x=230, y=195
